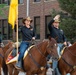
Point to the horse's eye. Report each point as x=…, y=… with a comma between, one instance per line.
x=51, y=46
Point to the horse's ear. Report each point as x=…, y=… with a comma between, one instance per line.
x=49, y=37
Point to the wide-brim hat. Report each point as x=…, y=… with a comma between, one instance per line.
x=57, y=21
x=27, y=18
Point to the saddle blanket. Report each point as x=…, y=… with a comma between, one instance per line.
x=13, y=56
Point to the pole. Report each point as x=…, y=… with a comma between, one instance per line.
x=17, y=33
x=28, y=7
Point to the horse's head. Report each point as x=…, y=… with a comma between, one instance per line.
x=7, y=46
x=52, y=48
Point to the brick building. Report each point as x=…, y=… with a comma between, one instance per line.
x=39, y=11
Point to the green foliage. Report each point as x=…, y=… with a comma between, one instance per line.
x=69, y=6
x=3, y=8
x=2, y=5
x=69, y=27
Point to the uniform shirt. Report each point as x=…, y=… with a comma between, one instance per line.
x=56, y=33
x=27, y=33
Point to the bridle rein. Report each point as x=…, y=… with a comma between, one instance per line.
x=42, y=54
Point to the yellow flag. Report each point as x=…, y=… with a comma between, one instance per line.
x=13, y=12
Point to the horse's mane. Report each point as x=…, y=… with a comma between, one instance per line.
x=41, y=43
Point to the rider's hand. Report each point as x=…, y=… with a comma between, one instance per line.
x=56, y=17
x=33, y=38
x=65, y=43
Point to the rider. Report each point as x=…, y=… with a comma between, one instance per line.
x=28, y=34
x=58, y=33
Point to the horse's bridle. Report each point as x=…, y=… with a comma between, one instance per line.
x=39, y=50
x=37, y=64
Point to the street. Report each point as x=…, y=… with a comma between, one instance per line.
x=48, y=72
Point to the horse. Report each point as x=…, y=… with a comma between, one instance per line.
x=2, y=61
x=35, y=62
x=67, y=62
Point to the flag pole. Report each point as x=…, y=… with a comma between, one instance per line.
x=17, y=33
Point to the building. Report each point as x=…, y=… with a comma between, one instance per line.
x=38, y=10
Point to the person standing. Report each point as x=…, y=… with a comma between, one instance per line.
x=58, y=33
x=28, y=34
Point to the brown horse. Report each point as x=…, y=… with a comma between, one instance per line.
x=1, y=59
x=2, y=62
x=67, y=62
x=35, y=61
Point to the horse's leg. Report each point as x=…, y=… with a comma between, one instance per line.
x=0, y=70
x=10, y=69
x=16, y=72
x=5, y=68
x=63, y=73
x=43, y=72
x=29, y=73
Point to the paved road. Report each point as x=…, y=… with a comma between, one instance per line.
x=48, y=72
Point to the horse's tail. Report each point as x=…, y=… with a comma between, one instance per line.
x=5, y=68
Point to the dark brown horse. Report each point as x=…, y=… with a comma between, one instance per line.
x=2, y=61
x=35, y=61
x=67, y=62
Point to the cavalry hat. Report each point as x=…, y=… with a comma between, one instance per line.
x=57, y=20
x=27, y=18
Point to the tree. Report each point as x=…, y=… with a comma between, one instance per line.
x=3, y=10
x=69, y=6
x=69, y=27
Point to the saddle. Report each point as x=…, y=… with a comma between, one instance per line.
x=13, y=56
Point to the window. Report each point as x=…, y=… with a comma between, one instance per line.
x=20, y=24
x=47, y=20
x=20, y=1
x=3, y=1
x=0, y=26
x=8, y=2
x=5, y=30
x=10, y=32
x=37, y=0
x=46, y=0
x=37, y=26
